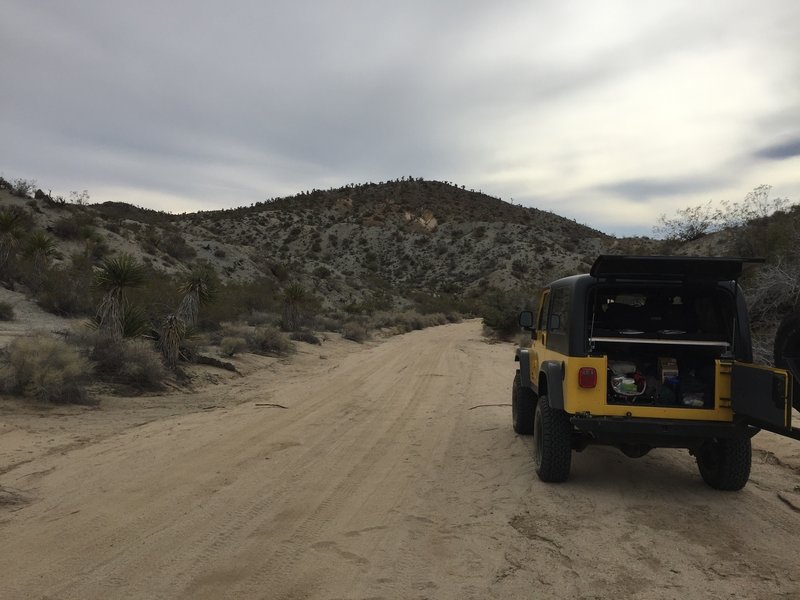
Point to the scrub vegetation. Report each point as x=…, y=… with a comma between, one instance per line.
x=360, y=261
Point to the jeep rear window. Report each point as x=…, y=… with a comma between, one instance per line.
x=701, y=312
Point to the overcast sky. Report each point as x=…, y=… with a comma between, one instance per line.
x=608, y=112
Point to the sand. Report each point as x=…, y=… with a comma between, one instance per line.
x=388, y=470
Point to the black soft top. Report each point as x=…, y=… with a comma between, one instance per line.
x=669, y=268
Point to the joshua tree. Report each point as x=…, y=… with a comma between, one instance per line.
x=114, y=277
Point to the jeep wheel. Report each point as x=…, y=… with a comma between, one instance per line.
x=552, y=442
x=725, y=463
x=523, y=406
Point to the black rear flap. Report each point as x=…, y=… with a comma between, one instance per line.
x=669, y=268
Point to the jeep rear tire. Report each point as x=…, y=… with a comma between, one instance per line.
x=523, y=407
x=552, y=442
x=725, y=463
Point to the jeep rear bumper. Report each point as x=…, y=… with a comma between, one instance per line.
x=657, y=433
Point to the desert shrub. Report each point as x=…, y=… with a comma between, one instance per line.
x=383, y=319
x=23, y=187
x=230, y=330
x=412, y=320
x=280, y=271
x=158, y=295
x=269, y=340
x=437, y=303
x=305, y=336
x=355, y=332
x=73, y=227
x=435, y=319
x=173, y=244
x=694, y=222
x=131, y=362
x=232, y=345
x=331, y=322
x=46, y=369
x=500, y=311
x=258, y=317
x=68, y=291
x=6, y=311
x=142, y=368
x=235, y=300
x=322, y=272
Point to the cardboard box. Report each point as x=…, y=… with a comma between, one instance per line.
x=667, y=367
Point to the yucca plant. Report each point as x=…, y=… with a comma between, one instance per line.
x=173, y=330
x=114, y=277
x=295, y=297
x=199, y=287
x=10, y=235
x=134, y=322
x=39, y=249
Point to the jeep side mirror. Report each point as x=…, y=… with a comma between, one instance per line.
x=526, y=320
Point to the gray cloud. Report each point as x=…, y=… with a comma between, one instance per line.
x=781, y=150
x=227, y=103
x=640, y=190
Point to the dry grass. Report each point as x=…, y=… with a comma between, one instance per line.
x=133, y=363
x=355, y=332
x=269, y=340
x=231, y=345
x=45, y=369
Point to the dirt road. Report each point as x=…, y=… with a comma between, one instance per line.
x=391, y=473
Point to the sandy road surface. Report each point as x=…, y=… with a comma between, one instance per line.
x=380, y=480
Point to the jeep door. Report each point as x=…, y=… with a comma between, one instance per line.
x=763, y=396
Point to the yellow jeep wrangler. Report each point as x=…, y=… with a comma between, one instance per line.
x=647, y=352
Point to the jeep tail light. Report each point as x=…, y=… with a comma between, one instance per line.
x=587, y=377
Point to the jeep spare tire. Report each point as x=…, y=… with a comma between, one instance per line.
x=787, y=345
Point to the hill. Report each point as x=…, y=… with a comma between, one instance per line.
x=361, y=253
x=405, y=244
x=370, y=244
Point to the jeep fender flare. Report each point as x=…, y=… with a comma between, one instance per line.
x=523, y=357
x=553, y=373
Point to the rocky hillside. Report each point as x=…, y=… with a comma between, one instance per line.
x=407, y=244
x=349, y=245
